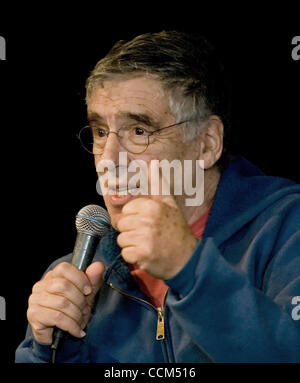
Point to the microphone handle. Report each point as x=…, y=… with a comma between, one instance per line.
x=83, y=254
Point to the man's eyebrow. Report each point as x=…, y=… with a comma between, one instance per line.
x=93, y=116
x=140, y=117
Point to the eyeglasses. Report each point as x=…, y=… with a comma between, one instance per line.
x=135, y=139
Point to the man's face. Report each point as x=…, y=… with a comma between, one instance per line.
x=136, y=102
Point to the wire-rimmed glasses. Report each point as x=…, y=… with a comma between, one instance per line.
x=135, y=139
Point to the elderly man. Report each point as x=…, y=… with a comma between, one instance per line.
x=170, y=282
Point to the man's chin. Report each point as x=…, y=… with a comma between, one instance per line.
x=115, y=204
x=115, y=213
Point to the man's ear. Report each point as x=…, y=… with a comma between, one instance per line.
x=211, y=141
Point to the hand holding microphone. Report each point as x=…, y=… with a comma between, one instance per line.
x=64, y=297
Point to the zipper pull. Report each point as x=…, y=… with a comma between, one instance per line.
x=160, y=332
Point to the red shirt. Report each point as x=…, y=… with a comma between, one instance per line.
x=153, y=287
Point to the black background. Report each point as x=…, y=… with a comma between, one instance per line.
x=47, y=177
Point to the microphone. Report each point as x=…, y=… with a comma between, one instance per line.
x=92, y=223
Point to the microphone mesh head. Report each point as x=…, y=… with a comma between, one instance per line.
x=93, y=220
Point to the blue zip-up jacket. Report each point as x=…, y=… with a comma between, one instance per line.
x=232, y=301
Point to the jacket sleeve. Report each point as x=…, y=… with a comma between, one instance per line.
x=31, y=351
x=228, y=317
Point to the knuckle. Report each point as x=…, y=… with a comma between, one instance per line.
x=126, y=209
x=63, y=303
x=62, y=268
x=36, y=327
x=129, y=255
x=38, y=331
x=58, y=316
x=121, y=224
x=30, y=314
x=47, y=276
x=35, y=299
x=126, y=254
x=129, y=207
x=121, y=220
x=58, y=285
x=44, y=335
x=31, y=300
x=80, y=302
x=36, y=287
x=120, y=239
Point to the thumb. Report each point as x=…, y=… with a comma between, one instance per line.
x=169, y=200
x=94, y=273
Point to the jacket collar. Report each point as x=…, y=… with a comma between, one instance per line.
x=116, y=269
x=243, y=192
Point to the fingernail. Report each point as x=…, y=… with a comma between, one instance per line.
x=87, y=289
x=82, y=334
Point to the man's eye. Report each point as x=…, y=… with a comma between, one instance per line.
x=100, y=132
x=139, y=131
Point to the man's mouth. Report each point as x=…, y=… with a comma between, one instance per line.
x=124, y=191
x=119, y=196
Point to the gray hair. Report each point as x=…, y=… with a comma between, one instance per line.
x=188, y=67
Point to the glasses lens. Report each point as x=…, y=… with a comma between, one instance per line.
x=92, y=141
x=135, y=142
x=86, y=139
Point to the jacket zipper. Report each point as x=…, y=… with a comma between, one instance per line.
x=160, y=328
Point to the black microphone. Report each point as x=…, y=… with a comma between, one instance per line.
x=92, y=223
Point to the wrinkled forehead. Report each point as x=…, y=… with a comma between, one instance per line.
x=140, y=96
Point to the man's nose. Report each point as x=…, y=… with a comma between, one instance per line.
x=112, y=148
